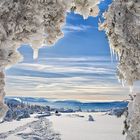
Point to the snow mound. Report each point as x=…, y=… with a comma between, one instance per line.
x=90, y=118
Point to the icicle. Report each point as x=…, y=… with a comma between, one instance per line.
x=123, y=83
x=111, y=54
x=119, y=80
x=116, y=57
x=35, y=53
x=131, y=89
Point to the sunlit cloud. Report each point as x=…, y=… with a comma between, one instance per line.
x=66, y=78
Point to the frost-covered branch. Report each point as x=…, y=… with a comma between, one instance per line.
x=122, y=25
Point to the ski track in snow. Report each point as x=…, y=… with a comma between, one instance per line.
x=32, y=131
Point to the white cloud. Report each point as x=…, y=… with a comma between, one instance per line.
x=78, y=78
x=74, y=28
x=85, y=65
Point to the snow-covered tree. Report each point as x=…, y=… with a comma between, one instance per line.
x=122, y=27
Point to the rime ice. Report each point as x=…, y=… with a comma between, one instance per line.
x=122, y=27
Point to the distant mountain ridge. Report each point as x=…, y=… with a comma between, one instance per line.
x=72, y=104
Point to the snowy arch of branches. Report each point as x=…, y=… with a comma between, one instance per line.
x=39, y=22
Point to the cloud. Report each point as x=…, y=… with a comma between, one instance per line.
x=69, y=78
x=68, y=65
x=78, y=28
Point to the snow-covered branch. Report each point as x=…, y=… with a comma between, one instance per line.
x=122, y=25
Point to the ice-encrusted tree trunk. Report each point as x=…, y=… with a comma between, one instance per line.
x=3, y=107
x=122, y=27
x=38, y=22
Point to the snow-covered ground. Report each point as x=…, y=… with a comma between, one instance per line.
x=70, y=126
x=29, y=129
x=74, y=127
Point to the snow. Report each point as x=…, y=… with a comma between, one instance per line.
x=72, y=127
x=8, y=126
x=29, y=129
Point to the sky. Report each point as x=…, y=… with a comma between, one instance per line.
x=77, y=67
